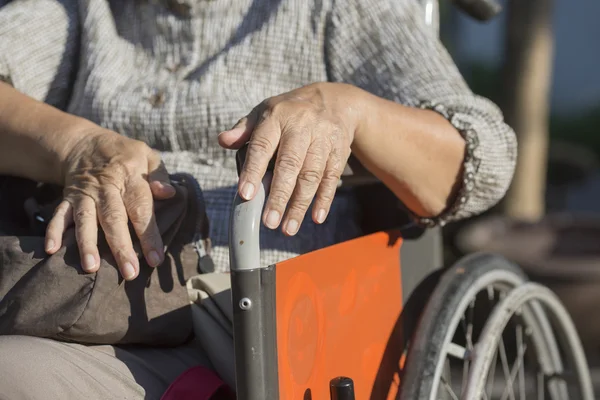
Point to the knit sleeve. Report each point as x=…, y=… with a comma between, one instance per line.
x=4, y=75
x=384, y=47
x=38, y=48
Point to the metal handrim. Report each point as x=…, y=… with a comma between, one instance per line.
x=501, y=279
x=490, y=337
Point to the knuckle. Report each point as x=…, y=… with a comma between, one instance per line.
x=289, y=161
x=310, y=176
x=120, y=251
x=113, y=176
x=278, y=198
x=336, y=166
x=138, y=203
x=332, y=175
x=299, y=206
x=266, y=111
x=139, y=212
x=276, y=107
x=326, y=196
x=112, y=217
x=260, y=145
x=139, y=147
x=84, y=214
x=252, y=170
x=131, y=165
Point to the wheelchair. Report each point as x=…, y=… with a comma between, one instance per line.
x=378, y=317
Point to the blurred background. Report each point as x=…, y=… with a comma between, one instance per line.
x=539, y=60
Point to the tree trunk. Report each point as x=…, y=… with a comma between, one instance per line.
x=527, y=79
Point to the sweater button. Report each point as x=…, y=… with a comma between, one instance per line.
x=157, y=98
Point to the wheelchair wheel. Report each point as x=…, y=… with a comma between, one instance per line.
x=440, y=352
x=569, y=382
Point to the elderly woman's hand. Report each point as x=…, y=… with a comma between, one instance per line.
x=110, y=179
x=311, y=130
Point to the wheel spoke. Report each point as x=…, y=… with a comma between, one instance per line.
x=509, y=389
x=513, y=374
x=469, y=335
x=448, y=389
x=521, y=352
x=492, y=374
x=465, y=372
x=490, y=292
x=541, y=388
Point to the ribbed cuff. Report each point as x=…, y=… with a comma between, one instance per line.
x=470, y=165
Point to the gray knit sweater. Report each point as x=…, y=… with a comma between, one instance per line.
x=174, y=73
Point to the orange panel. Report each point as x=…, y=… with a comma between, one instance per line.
x=336, y=311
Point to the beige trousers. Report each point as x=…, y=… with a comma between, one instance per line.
x=35, y=369
x=43, y=369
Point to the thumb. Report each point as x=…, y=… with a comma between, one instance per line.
x=239, y=135
x=158, y=178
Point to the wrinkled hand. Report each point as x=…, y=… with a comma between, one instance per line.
x=311, y=130
x=110, y=179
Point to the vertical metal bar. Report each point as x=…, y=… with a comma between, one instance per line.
x=244, y=231
x=255, y=334
x=253, y=295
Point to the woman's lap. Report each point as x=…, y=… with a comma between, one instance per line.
x=35, y=368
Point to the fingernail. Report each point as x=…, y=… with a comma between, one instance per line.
x=321, y=214
x=272, y=219
x=153, y=258
x=50, y=245
x=128, y=271
x=247, y=190
x=234, y=129
x=89, y=262
x=167, y=186
x=291, y=227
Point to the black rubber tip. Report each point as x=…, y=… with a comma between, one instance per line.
x=341, y=388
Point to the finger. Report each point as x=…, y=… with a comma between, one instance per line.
x=86, y=232
x=240, y=134
x=307, y=184
x=140, y=209
x=328, y=187
x=290, y=159
x=60, y=222
x=158, y=178
x=261, y=148
x=113, y=219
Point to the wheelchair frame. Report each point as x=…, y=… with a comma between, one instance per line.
x=268, y=329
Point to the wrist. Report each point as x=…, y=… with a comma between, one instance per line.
x=63, y=143
x=351, y=104
x=36, y=138
x=364, y=113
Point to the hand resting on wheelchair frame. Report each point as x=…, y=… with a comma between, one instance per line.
x=93, y=120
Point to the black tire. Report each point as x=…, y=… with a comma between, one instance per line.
x=425, y=352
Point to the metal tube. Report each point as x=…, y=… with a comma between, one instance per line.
x=244, y=231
